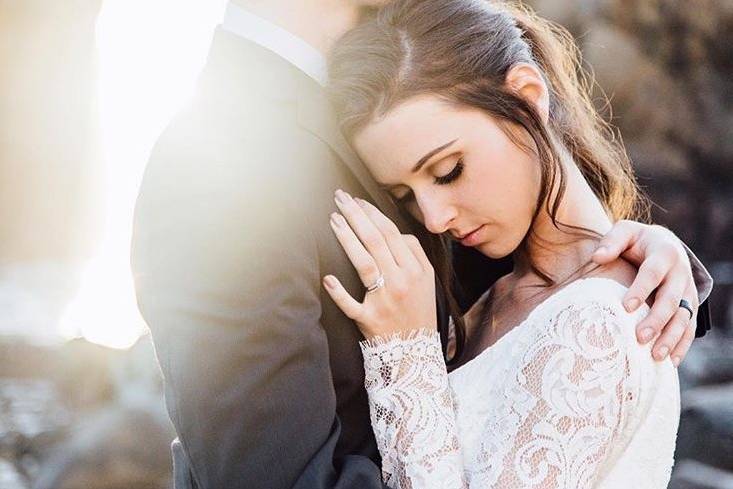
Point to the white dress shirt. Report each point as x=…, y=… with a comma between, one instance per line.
x=285, y=44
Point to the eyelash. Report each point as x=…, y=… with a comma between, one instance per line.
x=444, y=180
x=454, y=173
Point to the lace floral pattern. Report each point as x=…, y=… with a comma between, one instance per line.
x=412, y=410
x=556, y=403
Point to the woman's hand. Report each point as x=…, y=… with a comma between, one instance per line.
x=664, y=269
x=375, y=246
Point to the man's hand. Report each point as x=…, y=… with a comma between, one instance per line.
x=664, y=269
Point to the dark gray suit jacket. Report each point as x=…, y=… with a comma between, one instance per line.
x=263, y=373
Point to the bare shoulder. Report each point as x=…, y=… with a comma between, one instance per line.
x=472, y=317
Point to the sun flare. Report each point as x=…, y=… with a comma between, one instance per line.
x=150, y=53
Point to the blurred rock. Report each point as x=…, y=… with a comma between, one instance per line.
x=666, y=66
x=116, y=448
x=706, y=426
x=83, y=416
x=695, y=475
x=708, y=362
x=645, y=99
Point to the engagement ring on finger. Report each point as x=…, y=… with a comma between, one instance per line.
x=379, y=283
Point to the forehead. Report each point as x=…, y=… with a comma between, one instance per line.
x=392, y=144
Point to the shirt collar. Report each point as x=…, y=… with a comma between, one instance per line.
x=295, y=50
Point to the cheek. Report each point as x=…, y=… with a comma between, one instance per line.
x=518, y=182
x=505, y=196
x=498, y=191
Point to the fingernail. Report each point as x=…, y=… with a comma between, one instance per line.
x=647, y=334
x=662, y=353
x=337, y=219
x=601, y=251
x=329, y=281
x=632, y=304
x=342, y=196
x=676, y=361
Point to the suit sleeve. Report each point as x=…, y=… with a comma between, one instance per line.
x=227, y=278
x=704, y=285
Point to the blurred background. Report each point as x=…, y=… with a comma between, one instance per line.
x=87, y=85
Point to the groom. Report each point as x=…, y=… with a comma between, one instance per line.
x=263, y=373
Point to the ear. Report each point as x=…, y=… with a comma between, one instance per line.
x=526, y=80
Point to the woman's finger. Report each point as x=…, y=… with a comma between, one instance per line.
x=365, y=265
x=367, y=232
x=392, y=235
x=417, y=250
x=350, y=306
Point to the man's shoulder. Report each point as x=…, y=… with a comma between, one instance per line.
x=260, y=157
x=238, y=136
x=219, y=127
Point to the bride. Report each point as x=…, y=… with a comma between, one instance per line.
x=475, y=117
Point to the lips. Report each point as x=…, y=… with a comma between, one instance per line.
x=472, y=238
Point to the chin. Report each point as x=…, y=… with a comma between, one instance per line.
x=495, y=250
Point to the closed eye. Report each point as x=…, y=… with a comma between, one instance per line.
x=442, y=180
x=454, y=173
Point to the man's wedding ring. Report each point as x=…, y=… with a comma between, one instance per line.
x=376, y=285
x=686, y=305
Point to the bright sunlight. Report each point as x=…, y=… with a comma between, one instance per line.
x=150, y=52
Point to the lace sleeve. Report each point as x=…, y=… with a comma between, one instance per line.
x=566, y=402
x=412, y=411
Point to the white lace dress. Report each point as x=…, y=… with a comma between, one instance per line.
x=566, y=399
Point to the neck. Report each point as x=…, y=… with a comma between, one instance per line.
x=558, y=250
x=318, y=22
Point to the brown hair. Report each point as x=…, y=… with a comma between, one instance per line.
x=461, y=50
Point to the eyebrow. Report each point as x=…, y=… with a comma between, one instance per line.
x=422, y=162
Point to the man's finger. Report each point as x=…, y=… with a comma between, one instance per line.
x=672, y=334
x=680, y=351
x=650, y=276
x=666, y=302
x=622, y=236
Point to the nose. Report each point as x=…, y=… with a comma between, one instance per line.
x=436, y=214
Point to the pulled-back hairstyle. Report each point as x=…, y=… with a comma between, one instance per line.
x=461, y=51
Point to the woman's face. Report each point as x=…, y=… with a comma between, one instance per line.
x=472, y=181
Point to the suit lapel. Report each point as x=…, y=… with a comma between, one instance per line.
x=316, y=116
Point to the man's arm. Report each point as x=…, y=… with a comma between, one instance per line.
x=227, y=279
x=669, y=271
